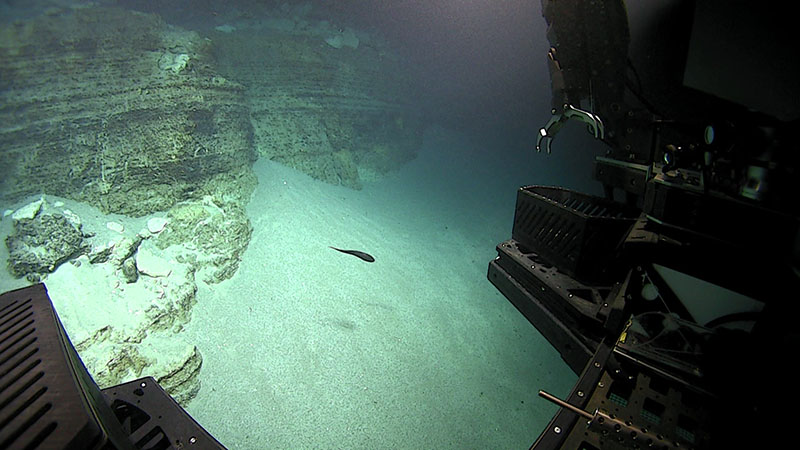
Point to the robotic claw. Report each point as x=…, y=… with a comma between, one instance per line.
x=667, y=300
x=557, y=121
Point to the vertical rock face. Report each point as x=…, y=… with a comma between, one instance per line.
x=337, y=113
x=120, y=110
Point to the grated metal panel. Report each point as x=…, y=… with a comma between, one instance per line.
x=47, y=399
x=153, y=420
x=576, y=232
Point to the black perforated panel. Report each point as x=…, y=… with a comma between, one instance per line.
x=47, y=399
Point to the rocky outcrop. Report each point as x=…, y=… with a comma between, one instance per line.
x=180, y=378
x=123, y=300
x=134, y=328
x=173, y=363
x=42, y=240
x=118, y=109
x=335, y=112
x=208, y=236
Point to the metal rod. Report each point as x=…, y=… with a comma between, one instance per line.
x=566, y=405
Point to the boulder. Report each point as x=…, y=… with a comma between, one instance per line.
x=210, y=237
x=41, y=241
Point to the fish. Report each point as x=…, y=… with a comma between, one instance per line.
x=365, y=256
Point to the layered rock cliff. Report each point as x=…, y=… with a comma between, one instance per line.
x=120, y=110
x=334, y=111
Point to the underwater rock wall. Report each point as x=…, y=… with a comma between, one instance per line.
x=120, y=110
x=336, y=112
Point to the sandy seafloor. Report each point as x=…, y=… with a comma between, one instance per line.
x=306, y=347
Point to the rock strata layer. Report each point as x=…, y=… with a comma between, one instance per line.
x=120, y=110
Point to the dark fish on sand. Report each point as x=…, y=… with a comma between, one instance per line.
x=365, y=256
